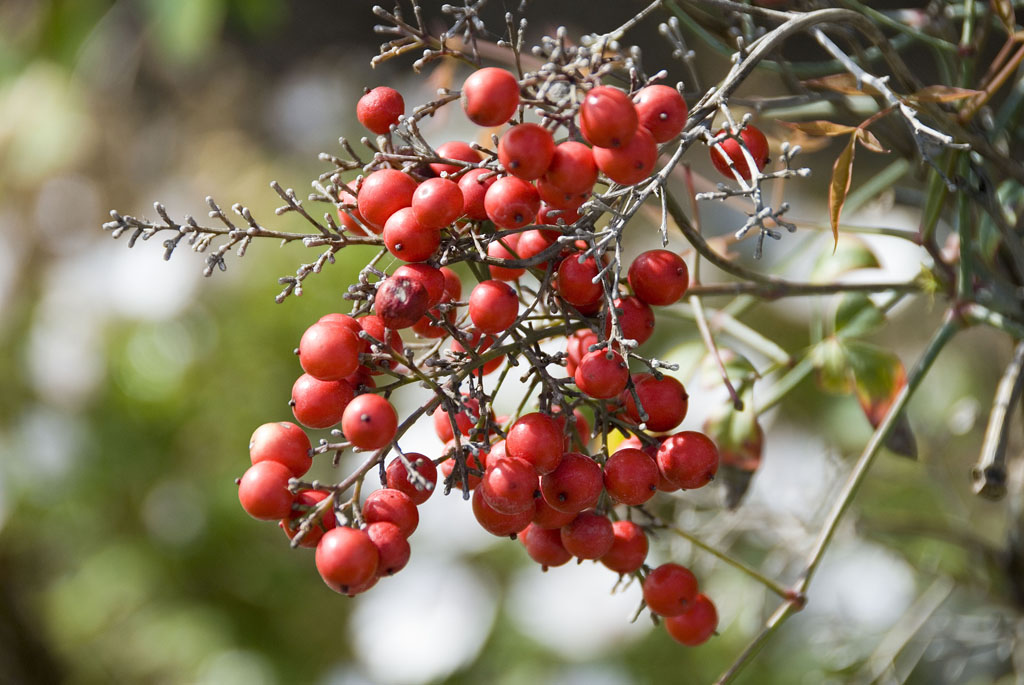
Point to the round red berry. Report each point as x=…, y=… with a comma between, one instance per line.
x=631, y=476
x=437, y=202
x=490, y=96
x=608, y=118
x=465, y=419
x=457, y=150
x=496, y=523
x=474, y=468
x=509, y=485
x=392, y=547
x=393, y=506
x=665, y=401
x=688, y=459
x=544, y=545
x=574, y=485
x=577, y=345
x=588, y=536
x=629, y=163
x=629, y=548
x=670, y=589
x=493, y=306
x=546, y=516
x=408, y=239
x=525, y=150
x=474, y=192
x=432, y=278
x=659, y=277
x=383, y=193
x=283, y=442
x=694, y=626
x=576, y=281
x=346, y=559
x=636, y=319
x=537, y=439
x=380, y=108
x=479, y=342
x=511, y=202
x=329, y=350
x=419, y=491
x=320, y=404
x=602, y=374
x=304, y=501
x=662, y=111
x=263, y=491
x=350, y=219
x=730, y=150
x=572, y=169
x=506, y=247
x=369, y=422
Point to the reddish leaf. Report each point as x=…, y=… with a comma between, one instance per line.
x=879, y=376
x=868, y=140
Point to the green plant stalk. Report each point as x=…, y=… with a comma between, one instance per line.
x=735, y=563
x=888, y=21
x=795, y=598
x=964, y=275
x=722, y=321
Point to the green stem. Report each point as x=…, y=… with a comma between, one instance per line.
x=735, y=563
x=964, y=284
x=722, y=321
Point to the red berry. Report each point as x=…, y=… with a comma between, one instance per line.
x=432, y=278
x=575, y=485
x=474, y=191
x=452, y=292
x=383, y=193
x=729, y=149
x=572, y=169
x=631, y=476
x=628, y=550
x=560, y=199
x=588, y=536
x=659, y=277
x=398, y=477
x=607, y=117
x=506, y=247
x=688, y=459
x=636, y=319
x=304, y=501
x=392, y=547
x=602, y=374
x=320, y=404
x=670, y=589
x=283, y=442
x=580, y=429
x=509, y=485
x=577, y=345
x=400, y=301
x=263, y=491
x=629, y=163
x=474, y=464
x=664, y=400
x=350, y=219
x=346, y=559
x=537, y=439
x=694, y=626
x=496, y=523
x=552, y=216
x=490, y=96
x=393, y=506
x=369, y=422
x=408, y=239
x=576, y=281
x=546, y=516
x=544, y=546
x=437, y=202
x=374, y=327
x=380, y=108
x=662, y=111
x=511, y=202
x=329, y=351
x=465, y=419
x=525, y=150
x=348, y=322
x=533, y=242
x=455, y=149
x=493, y=306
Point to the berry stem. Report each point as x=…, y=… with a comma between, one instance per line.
x=732, y=561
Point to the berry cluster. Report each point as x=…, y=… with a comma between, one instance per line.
x=521, y=209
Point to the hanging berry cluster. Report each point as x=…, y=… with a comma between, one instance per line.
x=519, y=209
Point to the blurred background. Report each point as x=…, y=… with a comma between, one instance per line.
x=131, y=386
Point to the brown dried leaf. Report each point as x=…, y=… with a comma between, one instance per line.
x=943, y=94
x=842, y=172
x=868, y=140
x=819, y=127
x=840, y=83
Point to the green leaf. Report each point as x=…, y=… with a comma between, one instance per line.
x=857, y=315
x=879, y=376
x=740, y=442
x=831, y=361
x=842, y=172
x=851, y=253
